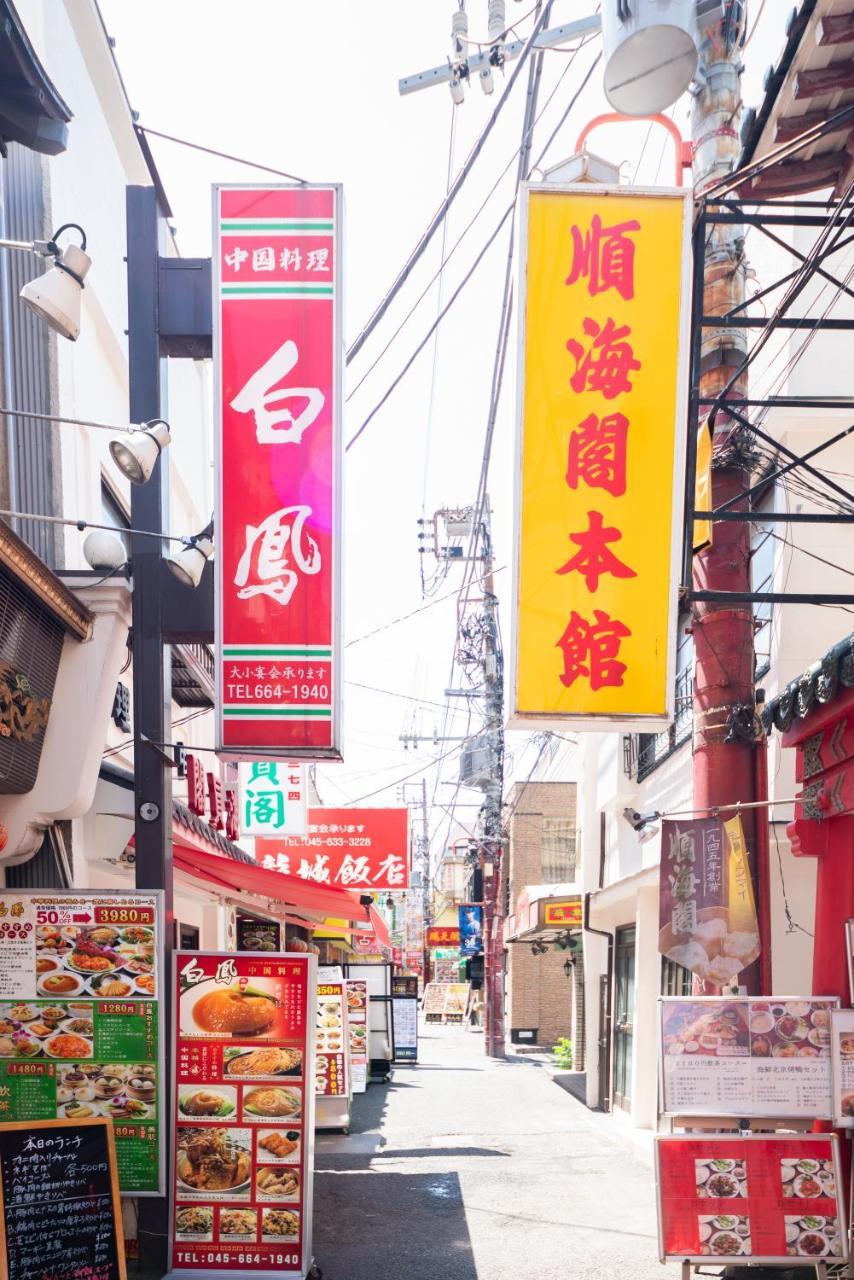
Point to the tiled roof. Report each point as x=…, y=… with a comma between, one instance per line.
x=818, y=685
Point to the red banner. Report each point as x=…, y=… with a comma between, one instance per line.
x=762, y=1199
x=277, y=353
x=351, y=848
x=243, y=1117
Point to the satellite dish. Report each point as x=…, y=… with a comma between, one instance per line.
x=650, y=53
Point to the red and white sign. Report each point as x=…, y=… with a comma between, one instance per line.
x=278, y=359
x=353, y=848
x=725, y=1198
x=242, y=1114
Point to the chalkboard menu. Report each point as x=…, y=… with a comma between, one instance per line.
x=60, y=1213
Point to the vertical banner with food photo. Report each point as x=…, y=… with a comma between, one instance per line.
x=707, y=911
x=79, y=1018
x=332, y=1068
x=243, y=1114
x=357, y=1022
x=842, y=1067
x=766, y=1199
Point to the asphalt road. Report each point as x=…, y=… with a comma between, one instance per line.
x=468, y=1169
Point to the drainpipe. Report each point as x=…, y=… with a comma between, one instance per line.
x=604, y=1032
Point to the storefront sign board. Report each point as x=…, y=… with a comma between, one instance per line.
x=443, y=936
x=272, y=798
x=351, y=848
x=243, y=1034
x=761, y=1199
x=563, y=913
x=842, y=1065
x=405, y=1020
x=80, y=991
x=602, y=401
x=278, y=362
x=746, y=1056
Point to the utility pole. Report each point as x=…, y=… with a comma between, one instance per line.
x=724, y=697
x=422, y=862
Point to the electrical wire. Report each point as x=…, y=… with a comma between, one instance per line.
x=222, y=155
x=90, y=524
x=406, y=777
x=404, y=617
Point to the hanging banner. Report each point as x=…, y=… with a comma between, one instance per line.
x=471, y=929
x=707, y=912
x=602, y=405
x=354, y=848
x=278, y=360
x=272, y=798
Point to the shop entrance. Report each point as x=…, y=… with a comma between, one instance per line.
x=624, y=1014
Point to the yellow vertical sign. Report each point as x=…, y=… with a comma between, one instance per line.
x=603, y=397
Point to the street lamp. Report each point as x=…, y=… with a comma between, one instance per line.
x=55, y=296
x=188, y=564
x=136, y=453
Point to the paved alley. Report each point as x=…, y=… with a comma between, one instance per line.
x=470, y=1169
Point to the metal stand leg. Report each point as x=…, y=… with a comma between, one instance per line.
x=686, y=1271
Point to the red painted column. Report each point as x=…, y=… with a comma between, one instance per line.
x=834, y=904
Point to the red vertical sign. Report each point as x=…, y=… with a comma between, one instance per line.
x=277, y=352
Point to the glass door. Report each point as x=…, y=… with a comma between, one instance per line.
x=624, y=1014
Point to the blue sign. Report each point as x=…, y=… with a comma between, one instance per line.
x=471, y=930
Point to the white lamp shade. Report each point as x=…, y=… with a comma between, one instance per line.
x=136, y=453
x=188, y=564
x=55, y=296
x=104, y=551
x=650, y=56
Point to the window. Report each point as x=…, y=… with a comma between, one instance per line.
x=676, y=980
x=655, y=747
x=762, y=543
x=558, y=850
x=112, y=513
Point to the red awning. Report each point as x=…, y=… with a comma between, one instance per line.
x=247, y=877
x=379, y=926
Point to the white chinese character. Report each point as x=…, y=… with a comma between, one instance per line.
x=283, y=863
x=269, y=862
x=354, y=870
x=318, y=870
x=236, y=258
x=290, y=258
x=264, y=259
x=264, y=399
x=259, y=673
x=235, y=673
x=310, y=673
x=392, y=866
x=274, y=672
x=288, y=673
x=323, y=828
x=317, y=260
x=265, y=568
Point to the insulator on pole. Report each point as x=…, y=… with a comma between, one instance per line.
x=497, y=24
x=459, y=55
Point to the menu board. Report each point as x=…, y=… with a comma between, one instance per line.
x=258, y=935
x=60, y=1215
x=243, y=1114
x=331, y=1068
x=405, y=1021
x=456, y=1001
x=746, y=1056
x=404, y=984
x=774, y=1199
x=79, y=1018
x=357, y=1023
x=842, y=1063
x=434, y=1001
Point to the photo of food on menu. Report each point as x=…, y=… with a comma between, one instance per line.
x=240, y=1147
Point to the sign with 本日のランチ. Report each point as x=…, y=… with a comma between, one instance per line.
x=350, y=848
x=243, y=1114
x=707, y=911
x=272, y=798
x=278, y=358
x=80, y=1004
x=602, y=411
x=746, y=1055
x=762, y=1199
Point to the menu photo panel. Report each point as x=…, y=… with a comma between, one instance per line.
x=243, y=1116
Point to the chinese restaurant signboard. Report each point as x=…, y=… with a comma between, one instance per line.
x=243, y=1114
x=349, y=848
x=442, y=936
x=278, y=357
x=746, y=1056
x=707, y=912
x=568, y=913
x=762, y=1199
x=272, y=798
x=602, y=410
x=80, y=1002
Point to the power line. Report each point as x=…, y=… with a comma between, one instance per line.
x=456, y=187
x=222, y=155
x=406, y=777
x=404, y=617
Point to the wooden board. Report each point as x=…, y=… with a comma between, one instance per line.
x=48, y=1191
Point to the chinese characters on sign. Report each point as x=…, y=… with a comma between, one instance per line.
x=350, y=848
x=332, y=1069
x=601, y=420
x=278, y=358
x=443, y=936
x=243, y=1115
x=272, y=798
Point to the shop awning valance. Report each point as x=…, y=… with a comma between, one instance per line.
x=231, y=876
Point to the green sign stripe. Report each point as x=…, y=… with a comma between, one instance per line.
x=291, y=290
x=308, y=651
x=284, y=225
x=281, y=713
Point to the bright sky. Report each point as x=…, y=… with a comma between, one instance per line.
x=312, y=88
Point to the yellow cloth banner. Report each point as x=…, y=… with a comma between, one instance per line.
x=603, y=420
x=742, y=903
x=703, y=486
